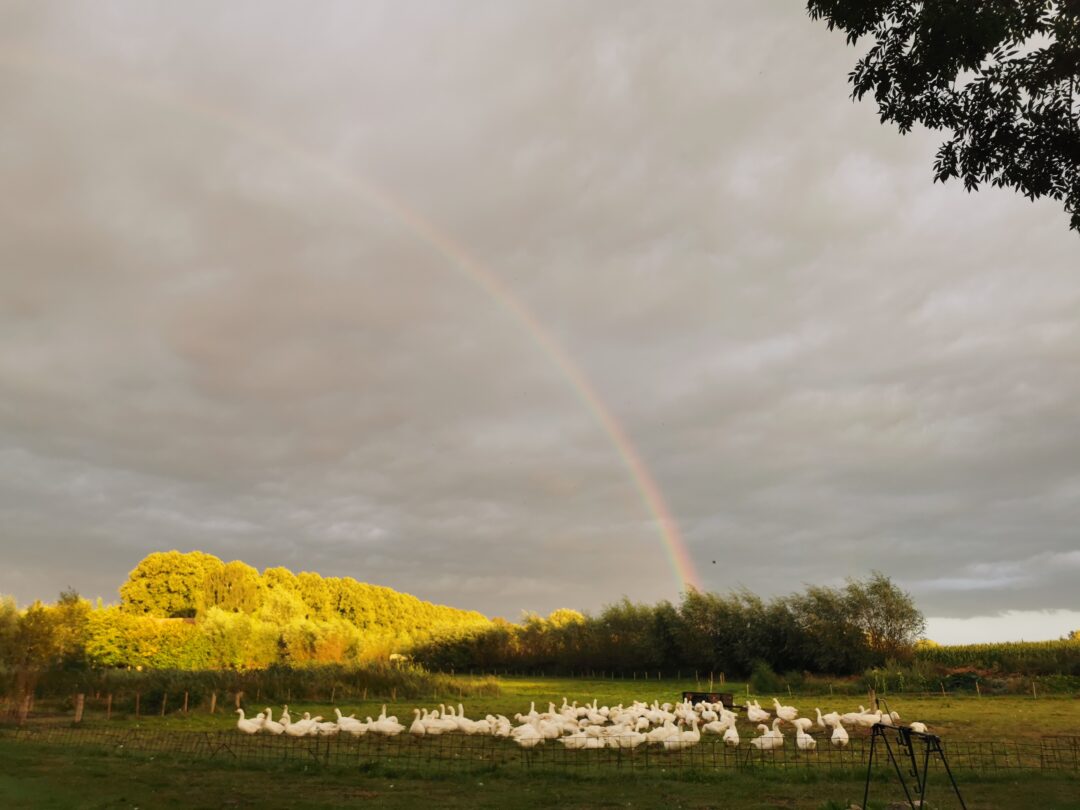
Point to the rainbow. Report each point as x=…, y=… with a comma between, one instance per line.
x=456, y=254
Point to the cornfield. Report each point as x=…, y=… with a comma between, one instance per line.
x=1022, y=657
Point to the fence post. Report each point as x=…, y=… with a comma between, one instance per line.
x=239, y=697
x=80, y=702
x=137, y=699
x=164, y=700
x=24, y=707
x=213, y=701
x=108, y=707
x=185, y=702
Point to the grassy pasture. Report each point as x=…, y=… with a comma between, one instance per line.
x=49, y=776
x=962, y=717
x=46, y=778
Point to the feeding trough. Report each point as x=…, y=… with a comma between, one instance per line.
x=726, y=698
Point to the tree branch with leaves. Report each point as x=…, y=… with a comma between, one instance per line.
x=1001, y=76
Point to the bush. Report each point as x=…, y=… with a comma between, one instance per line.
x=764, y=681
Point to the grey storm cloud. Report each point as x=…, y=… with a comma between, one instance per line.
x=233, y=315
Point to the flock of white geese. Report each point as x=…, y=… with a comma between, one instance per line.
x=673, y=726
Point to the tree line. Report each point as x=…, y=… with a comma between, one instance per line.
x=194, y=612
x=837, y=631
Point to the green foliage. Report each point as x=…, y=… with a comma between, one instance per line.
x=168, y=584
x=190, y=611
x=36, y=644
x=1000, y=77
x=233, y=587
x=886, y=615
x=839, y=631
x=118, y=638
x=9, y=629
x=763, y=680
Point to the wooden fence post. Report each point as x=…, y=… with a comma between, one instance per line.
x=239, y=697
x=137, y=699
x=108, y=707
x=164, y=700
x=24, y=707
x=185, y=701
x=80, y=702
x=213, y=701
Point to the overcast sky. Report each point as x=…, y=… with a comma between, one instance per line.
x=213, y=336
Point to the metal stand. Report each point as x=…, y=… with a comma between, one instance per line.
x=905, y=740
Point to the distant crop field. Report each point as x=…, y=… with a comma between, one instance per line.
x=1060, y=657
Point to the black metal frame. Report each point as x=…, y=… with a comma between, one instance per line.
x=905, y=743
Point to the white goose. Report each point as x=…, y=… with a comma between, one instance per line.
x=527, y=736
x=822, y=720
x=248, y=726
x=868, y=719
x=268, y=724
x=839, y=736
x=350, y=724
x=684, y=739
x=852, y=718
x=788, y=713
x=387, y=726
x=417, y=728
x=731, y=737
x=765, y=741
x=756, y=714
x=804, y=741
x=661, y=733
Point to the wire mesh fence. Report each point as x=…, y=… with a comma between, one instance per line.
x=457, y=751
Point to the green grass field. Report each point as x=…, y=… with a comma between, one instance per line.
x=44, y=777
x=47, y=776
x=953, y=717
